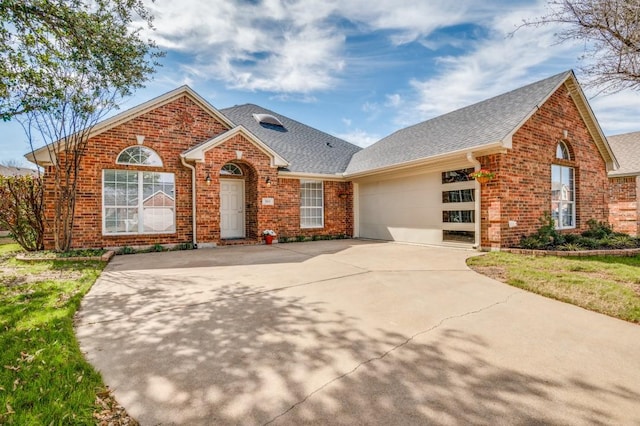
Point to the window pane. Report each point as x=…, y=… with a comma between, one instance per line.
x=139, y=155
x=460, y=196
x=458, y=216
x=461, y=175
x=567, y=215
x=459, y=236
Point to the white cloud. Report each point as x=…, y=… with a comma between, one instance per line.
x=494, y=65
x=359, y=137
x=394, y=100
x=617, y=113
x=292, y=46
x=346, y=121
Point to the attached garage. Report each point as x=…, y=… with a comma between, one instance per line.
x=430, y=208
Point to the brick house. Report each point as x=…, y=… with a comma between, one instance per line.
x=624, y=184
x=226, y=175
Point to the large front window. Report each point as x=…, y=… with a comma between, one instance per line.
x=563, y=208
x=311, y=204
x=136, y=202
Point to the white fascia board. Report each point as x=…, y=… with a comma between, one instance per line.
x=490, y=148
x=317, y=176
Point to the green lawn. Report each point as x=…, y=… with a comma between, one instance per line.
x=605, y=284
x=44, y=378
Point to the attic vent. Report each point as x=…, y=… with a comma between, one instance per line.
x=267, y=119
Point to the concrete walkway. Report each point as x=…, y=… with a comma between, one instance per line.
x=349, y=332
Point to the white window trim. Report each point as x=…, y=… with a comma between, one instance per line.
x=140, y=197
x=302, y=182
x=558, y=224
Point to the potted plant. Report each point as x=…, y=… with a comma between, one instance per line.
x=482, y=175
x=268, y=235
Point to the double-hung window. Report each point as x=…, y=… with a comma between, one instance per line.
x=311, y=204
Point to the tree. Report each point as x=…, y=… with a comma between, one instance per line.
x=65, y=64
x=39, y=39
x=610, y=30
x=21, y=210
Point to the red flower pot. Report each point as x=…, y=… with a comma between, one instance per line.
x=268, y=239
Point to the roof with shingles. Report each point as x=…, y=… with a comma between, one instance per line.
x=307, y=150
x=16, y=171
x=474, y=126
x=626, y=148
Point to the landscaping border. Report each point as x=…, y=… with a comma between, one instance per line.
x=576, y=253
x=106, y=257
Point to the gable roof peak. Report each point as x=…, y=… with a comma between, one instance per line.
x=485, y=125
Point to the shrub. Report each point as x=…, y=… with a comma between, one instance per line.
x=21, y=206
x=589, y=243
x=570, y=247
x=597, y=230
x=127, y=250
x=618, y=241
x=546, y=237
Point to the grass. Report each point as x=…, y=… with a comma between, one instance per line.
x=44, y=378
x=606, y=284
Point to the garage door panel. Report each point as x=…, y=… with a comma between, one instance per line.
x=407, y=209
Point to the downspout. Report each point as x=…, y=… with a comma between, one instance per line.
x=472, y=159
x=193, y=199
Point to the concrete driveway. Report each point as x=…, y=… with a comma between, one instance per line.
x=349, y=332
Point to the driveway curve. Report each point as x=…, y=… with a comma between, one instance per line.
x=349, y=332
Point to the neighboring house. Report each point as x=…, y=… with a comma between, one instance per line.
x=227, y=175
x=624, y=210
x=16, y=171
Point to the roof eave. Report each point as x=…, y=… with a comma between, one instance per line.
x=592, y=123
x=486, y=149
x=319, y=176
x=623, y=174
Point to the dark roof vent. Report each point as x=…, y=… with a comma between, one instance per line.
x=267, y=119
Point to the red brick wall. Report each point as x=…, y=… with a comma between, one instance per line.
x=168, y=130
x=624, y=212
x=338, y=209
x=521, y=191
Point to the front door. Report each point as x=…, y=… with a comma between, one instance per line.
x=231, y=208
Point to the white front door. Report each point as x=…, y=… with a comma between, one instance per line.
x=231, y=208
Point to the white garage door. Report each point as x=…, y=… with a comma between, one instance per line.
x=427, y=209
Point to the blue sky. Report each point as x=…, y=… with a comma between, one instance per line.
x=358, y=69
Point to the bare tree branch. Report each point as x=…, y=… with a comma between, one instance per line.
x=610, y=30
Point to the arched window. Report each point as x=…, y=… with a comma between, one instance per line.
x=562, y=151
x=563, y=191
x=139, y=155
x=231, y=169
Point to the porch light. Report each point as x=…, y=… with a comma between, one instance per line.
x=208, y=179
x=268, y=181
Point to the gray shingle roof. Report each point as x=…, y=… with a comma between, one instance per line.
x=16, y=171
x=473, y=126
x=626, y=148
x=308, y=150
